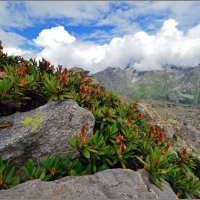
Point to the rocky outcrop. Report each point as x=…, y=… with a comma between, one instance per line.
x=153, y=116
x=108, y=184
x=180, y=122
x=42, y=131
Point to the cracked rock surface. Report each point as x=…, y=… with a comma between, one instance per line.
x=108, y=184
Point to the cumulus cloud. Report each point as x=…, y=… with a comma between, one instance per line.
x=54, y=36
x=16, y=51
x=12, y=42
x=140, y=50
x=62, y=48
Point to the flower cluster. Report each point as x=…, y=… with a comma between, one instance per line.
x=121, y=144
x=85, y=88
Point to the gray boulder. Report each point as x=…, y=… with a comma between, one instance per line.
x=42, y=131
x=108, y=184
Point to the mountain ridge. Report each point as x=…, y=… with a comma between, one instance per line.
x=172, y=83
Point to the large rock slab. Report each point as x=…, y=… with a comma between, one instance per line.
x=42, y=131
x=108, y=184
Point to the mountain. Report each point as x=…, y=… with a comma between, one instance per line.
x=176, y=84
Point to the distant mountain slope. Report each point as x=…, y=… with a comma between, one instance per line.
x=171, y=84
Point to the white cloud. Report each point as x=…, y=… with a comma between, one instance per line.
x=13, y=14
x=12, y=42
x=62, y=48
x=143, y=51
x=185, y=12
x=122, y=45
x=11, y=39
x=27, y=13
x=15, y=51
x=81, y=10
x=54, y=36
x=101, y=36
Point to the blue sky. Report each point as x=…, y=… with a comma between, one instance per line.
x=95, y=25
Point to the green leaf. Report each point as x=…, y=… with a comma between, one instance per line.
x=94, y=168
x=48, y=177
x=9, y=175
x=2, y=168
x=141, y=160
x=155, y=180
x=42, y=175
x=109, y=161
x=102, y=167
x=29, y=168
x=71, y=142
x=87, y=169
x=57, y=162
x=92, y=150
x=86, y=153
x=72, y=172
x=67, y=159
x=15, y=181
x=75, y=162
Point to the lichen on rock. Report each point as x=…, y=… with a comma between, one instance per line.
x=33, y=121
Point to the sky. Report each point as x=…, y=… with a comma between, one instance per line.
x=98, y=34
